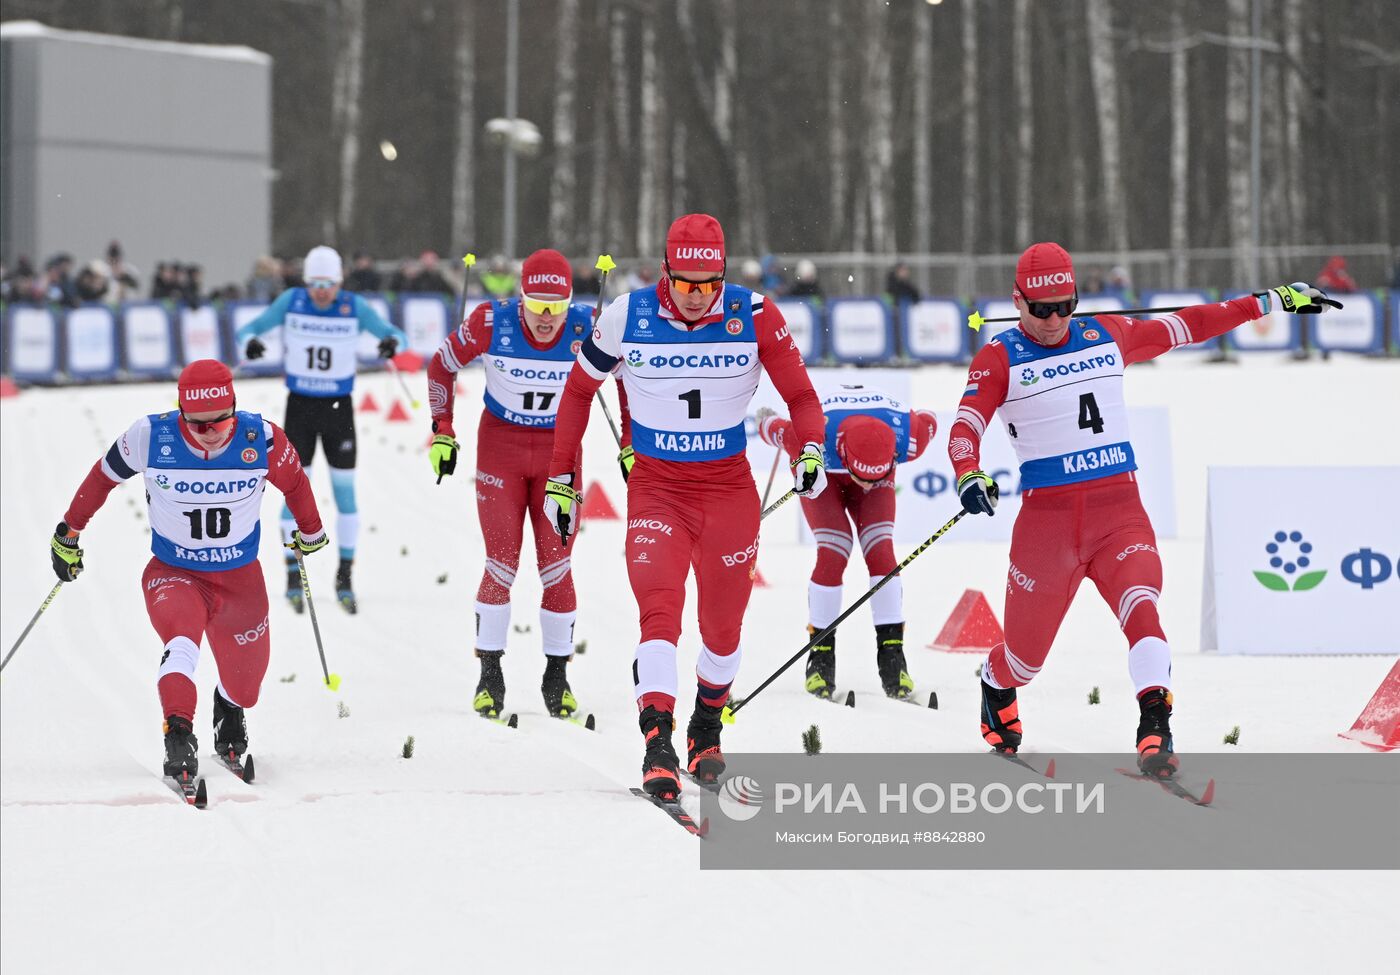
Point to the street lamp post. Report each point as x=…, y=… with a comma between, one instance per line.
x=512, y=90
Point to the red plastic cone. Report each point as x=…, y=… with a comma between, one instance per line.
x=397, y=414
x=596, y=503
x=1378, y=726
x=972, y=627
x=368, y=404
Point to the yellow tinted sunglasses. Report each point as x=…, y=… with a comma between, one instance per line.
x=539, y=307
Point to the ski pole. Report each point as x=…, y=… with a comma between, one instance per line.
x=52, y=593
x=792, y=493
x=727, y=715
x=975, y=321
x=606, y=265
x=403, y=385
x=332, y=680
x=771, y=474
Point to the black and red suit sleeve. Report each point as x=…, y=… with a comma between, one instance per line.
x=471, y=339
x=285, y=472
x=778, y=352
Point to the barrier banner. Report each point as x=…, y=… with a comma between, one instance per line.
x=31, y=343
x=148, y=344
x=860, y=329
x=1358, y=326
x=367, y=351
x=804, y=325
x=424, y=318
x=1277, y=331
x=90, y=334
x=1293, y=565
x=935, y=330
x=993, y=308
x=240, y=314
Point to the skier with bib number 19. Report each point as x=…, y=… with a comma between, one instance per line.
x=1057, y=382
x=689, y=351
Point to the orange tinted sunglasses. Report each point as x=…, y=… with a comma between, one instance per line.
x=689, y=287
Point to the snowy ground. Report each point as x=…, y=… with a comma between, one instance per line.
x=345, y=857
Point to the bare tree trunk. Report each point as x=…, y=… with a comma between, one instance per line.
x=1021, y=57
x=464, y=140
x=729, y=122
x=970, y=108
x=345, y=108
x=922, y=72
x=1180, y=151
x=1103, y=69
x=879, y=144
x=837, y=194
x=653, y=148
x=620, y=86
x=562, y=186
x=598, y=238
x=1078, y=139
x=678, y=151
x=1237, y=137
x=175, y=16
x=1293, y=96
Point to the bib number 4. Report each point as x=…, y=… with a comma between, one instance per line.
x=1089, y=416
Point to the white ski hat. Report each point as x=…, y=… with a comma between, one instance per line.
x=322, y=262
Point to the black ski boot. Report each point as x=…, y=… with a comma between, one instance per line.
x=344, y=590
x=1154, y=734
x=181, y=749
x=490, y=701
x=1001, y=719
x=230, y=728
x=660, y=766
x=821, y=665
x=704, y=760
x=294, y=595
x=889, y=659
x=559, y=699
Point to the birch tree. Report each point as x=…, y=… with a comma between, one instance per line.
x=879, y=142
x=652, y=146
x=345, y=109
x=1021, y=58
x=601, y=118
x=1180, y=149
x=464, y=135
x=836, y=128
x=1293, y=95
x=1237, y=137
x=1103, y=70
x=621, y=121
x=562, y=185
x=921, y=71
x=970, y=107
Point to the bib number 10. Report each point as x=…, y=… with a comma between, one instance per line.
x=210, y=522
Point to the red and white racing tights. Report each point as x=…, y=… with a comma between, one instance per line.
x=829, y=516
x=230, y=608
x=511, y=469
x=682, y=515
x=1062, y=534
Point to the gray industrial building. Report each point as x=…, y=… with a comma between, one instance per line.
x=166, y=147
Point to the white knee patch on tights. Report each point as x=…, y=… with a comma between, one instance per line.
x=823, y=604
x=181, y=657
x=492, y=625
x=1150, y=664
x=557, y=632
x=717, y=670
x=347, y=531
x=887, y=605
x=655, y=667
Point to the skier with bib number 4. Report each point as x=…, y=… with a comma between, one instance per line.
x=205, y=466
x=867, y=434
x=1057, y=382
x=321, y=326
x=529, y=343
x=688, y=351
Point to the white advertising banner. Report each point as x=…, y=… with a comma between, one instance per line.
x=860, y=329
x=147, y=336
x=934, y=329
x=425, y=320
x=92, y=342
x=199, y=332
x=802, y=322
x=927, y=493
x=1358, y=326
x=1302, y=560
x=1276, y=331
x=271, y=361
x=33, y=348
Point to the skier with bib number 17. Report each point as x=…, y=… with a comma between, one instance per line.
x=688, y=350
x=1056, y=379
